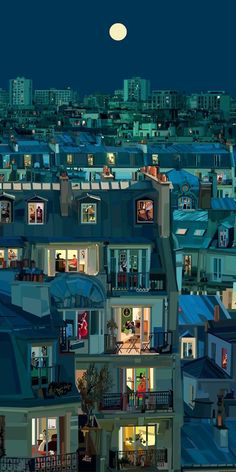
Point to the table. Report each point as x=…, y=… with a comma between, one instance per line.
x=132, y=343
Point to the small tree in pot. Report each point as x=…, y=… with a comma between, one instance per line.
x=111, y=326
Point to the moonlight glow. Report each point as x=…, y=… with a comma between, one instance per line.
x=118, y=31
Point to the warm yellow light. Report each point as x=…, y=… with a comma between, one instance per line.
x=118, y=31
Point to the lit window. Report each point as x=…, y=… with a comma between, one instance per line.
x=111, y=158
x=27, y=160
x=6, y=161
x=35, y=213
x=181, y=231
x=184, y=203
x=88, y=212
x=144, y=211
x=69, y=158
x=199, y=232
x=90, y=159
x=8, y=258
x=224, y=358
x=155, y=158
x=5, y=211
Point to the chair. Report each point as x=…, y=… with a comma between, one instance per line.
x=146, y=344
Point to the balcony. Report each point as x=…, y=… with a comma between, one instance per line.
x=138, y=401
x=139, y=458
x=41, y=374
x=52, y=463
x=157, y=343
x=137, y=282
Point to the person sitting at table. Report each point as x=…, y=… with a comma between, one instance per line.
x=130, y=326
x=73, y=263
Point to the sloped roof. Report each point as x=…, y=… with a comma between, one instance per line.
x=204, y=368
x=199, y=448
x=197, y=309
x=9, y=374
x=226, y=203
x=179, y=177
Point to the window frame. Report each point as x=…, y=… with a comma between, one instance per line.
x=87, y=204
x=144, y=201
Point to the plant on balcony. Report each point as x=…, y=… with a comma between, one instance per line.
x=92, y=386
x=112, y=326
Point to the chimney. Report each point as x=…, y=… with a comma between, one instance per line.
x=213, y=180
x=205, y=189
x=220, y=431
x=64, y=195
x=217, y=313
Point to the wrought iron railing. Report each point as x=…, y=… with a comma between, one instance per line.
x=142, y=458
x=155, y=401
x=52, y=463
x=136, y=281
x=158, y=341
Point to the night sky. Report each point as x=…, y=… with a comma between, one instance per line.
x=186, y=45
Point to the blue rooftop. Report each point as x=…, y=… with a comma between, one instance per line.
x=197, y=309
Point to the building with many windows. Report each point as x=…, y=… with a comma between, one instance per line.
x=20, y=92
x=136, y=89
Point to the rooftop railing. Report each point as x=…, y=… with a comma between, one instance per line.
x=52, y=463
x=138, y=458
x=136, y=281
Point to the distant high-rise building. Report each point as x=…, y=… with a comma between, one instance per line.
x=211, y=101
x=166, y=100
x=136, y=89
x=54, y=96
x=4, y=98
x=20, y=92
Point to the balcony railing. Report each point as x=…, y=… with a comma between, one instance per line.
x=158, y=342
x=42, y=375
x=136, y=401
x=143, y=458
x=136, y=281
x=54, y=463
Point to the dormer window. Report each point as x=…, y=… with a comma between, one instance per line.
x=144, y=211
x=27, y=160
x=36, y=211
x=88, y=206
x=223, y=239
x=6, y=208
x=88, y=213
x=69, y=159
x=185, y=203
x=155, y=159
x=111, y=158
x=90, y=159
x=6, y=161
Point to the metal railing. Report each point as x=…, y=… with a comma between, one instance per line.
x=159, y=342
x=41, y=376
x=142, y=458
x=152, y=400
x=135, y=281
x=52, y=463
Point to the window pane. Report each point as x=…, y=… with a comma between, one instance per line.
x=144, y=210
x=5, y=211
x=94, y=322
x=88, y=212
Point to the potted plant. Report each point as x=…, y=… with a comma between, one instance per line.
x=111, y=338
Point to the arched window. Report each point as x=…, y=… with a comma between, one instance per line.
x=185, y=203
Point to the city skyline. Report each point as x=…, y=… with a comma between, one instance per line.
x=174, y=45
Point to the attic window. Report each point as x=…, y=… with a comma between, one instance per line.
x=36, y=215
x=144, y=211
x=111, y=158
x=90, y=159
x=181, y=231
x=199, y=232
x=155, y=159
x=88, y=213
x=69, y=159
x=6, y=207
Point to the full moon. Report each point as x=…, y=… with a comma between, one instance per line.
x=118, y=31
